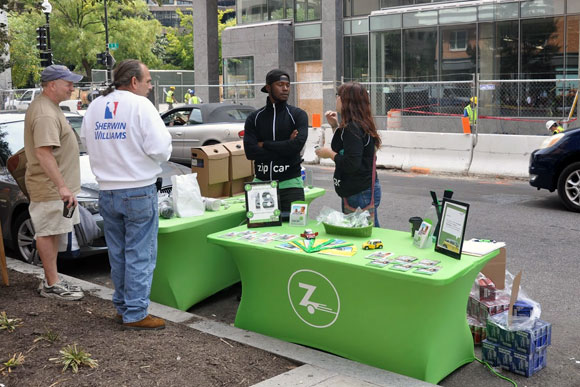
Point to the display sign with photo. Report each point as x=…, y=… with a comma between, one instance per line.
x=262, y=204
x=452, y=228
x=298, y=213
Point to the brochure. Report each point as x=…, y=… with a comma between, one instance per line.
x=345, y=251
x=405, y=267
x=379, y=255
x=428, y=270
x=481, y=247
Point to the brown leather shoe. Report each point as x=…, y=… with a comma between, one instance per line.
x=149, y=322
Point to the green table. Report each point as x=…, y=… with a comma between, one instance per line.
x=408, y=323
x=189, y=269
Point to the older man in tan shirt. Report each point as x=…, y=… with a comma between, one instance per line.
x=52, y=175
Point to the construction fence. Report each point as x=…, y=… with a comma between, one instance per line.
x=504, y=106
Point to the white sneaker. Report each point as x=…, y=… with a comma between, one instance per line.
x=61, y=290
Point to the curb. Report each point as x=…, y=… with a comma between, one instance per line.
x=320, y=369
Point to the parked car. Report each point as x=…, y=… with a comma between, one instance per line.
x=204, y=124
x=556, y=166
x=21, y=99
x=17, y=229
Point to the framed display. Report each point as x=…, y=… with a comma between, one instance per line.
x=262, y=204
x=298, y=213
x=452, y=228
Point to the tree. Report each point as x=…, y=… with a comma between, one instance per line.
x=78, y=34
x=24, y=61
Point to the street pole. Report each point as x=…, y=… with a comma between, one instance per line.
x=109, y=77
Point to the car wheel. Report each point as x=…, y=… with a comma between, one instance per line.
x=366, y=247
x=569, y=187
x=211, y=142
x=380, y=247
x=23, y=236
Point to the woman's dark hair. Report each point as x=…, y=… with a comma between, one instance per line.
x=356, y=107
x=124, y=73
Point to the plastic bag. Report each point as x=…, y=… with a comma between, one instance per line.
x=165, y=204
x=356, y=219
x=187, y=199
x=68, y=245
x=87, y=230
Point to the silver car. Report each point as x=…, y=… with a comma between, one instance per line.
x=17, y=228
x=193, y=126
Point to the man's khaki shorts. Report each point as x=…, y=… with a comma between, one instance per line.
x=47, y=218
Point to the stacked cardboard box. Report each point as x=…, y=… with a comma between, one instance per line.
x=521, y=349
x=484, y=301
x=221, y=169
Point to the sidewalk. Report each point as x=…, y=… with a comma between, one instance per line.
x=320, y=369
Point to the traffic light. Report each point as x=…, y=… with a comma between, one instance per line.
x=41, y=39
x=102, y=58
x=110, y=60
x=45, y=59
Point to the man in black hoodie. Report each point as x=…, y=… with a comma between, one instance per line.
x=274, y=137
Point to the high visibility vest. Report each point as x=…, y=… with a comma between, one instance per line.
x=186, y=97
x=169, y=97
x=558, y=129
x=194, y=100
x=472, y=114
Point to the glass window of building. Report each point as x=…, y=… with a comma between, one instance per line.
x=356, y=52
x=572, y=46
x=385, y=66
x=364, y=7
x=542, y=47
x=573, y=6
x=498, y=50
x=420, y=54
x=395, y=3
x=276, y=9
x=251, y=11
x=308, y=10
x=458, y=52
x=238, y=71
x=307, y=50
x=542, y=7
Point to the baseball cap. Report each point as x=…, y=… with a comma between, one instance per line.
x=275, y=76
x=54, y=72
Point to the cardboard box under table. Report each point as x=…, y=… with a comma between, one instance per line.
x=409, y=323
x=211, y=163
x=189, y=269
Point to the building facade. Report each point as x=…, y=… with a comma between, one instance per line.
x=407, y=41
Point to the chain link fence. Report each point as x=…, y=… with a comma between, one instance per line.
x=504, y=106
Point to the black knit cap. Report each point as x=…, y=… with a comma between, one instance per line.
x=275, y=76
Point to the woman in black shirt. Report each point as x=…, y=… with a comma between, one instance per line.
x=353, y=149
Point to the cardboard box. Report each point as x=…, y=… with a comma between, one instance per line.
x=211, y=165
x=240, y=169
x=495, y=269
x=506, y=358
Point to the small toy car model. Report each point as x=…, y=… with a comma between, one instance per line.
x=309, y=234
x=373, y=244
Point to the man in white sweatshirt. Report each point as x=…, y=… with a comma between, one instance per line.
x=126, y=141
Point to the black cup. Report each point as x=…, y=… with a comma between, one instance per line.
x=415, y=222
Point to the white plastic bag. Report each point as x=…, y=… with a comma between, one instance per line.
x=68, y=245
x=186, y=195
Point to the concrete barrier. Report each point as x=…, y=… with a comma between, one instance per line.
x=503, y=154
x=425, y=152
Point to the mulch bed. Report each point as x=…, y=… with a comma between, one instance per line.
x=175, y=356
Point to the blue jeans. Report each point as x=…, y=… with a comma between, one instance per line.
x=363, y=199
x=131, y=223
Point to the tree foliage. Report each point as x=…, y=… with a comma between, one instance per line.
x=77, y=29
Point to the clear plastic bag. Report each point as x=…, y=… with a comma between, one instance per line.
x=357, y=219
x=165, y=203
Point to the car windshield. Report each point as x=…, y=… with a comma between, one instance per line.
x=11, y=139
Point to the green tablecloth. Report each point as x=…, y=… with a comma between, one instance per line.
x=405, y=322
x=189, y=269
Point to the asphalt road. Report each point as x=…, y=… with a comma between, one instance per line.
x=542, y=241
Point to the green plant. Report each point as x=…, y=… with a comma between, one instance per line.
x=73, y=357
x=9, y=324
x=14, y=361
x=49, y=336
